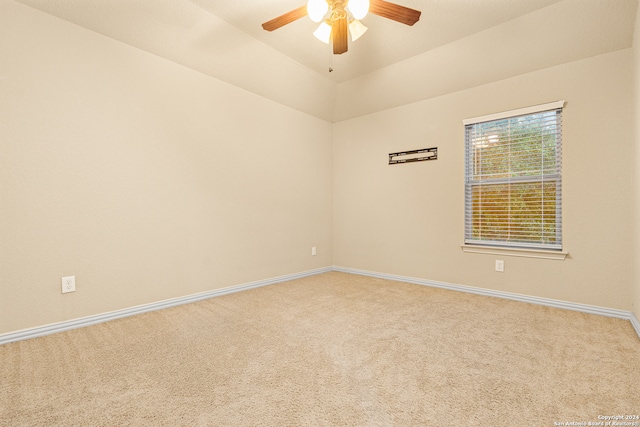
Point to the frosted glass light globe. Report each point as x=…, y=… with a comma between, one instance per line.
x=358, y=8
x=316, y=9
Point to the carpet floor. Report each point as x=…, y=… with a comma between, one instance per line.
x=333, y=349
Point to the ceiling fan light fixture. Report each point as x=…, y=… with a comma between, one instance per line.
x=343, y=18
x=316, y=9
x=323, y=33
x=358, y=8
x=356, y=29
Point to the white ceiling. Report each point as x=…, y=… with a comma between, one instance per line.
x=225, y=39
x=156, y=25
x=386, y=41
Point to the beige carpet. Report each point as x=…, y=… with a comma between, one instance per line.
x=328, y=350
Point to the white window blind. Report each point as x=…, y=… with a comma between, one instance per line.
x=513, y=178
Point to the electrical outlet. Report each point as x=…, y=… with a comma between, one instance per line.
x=500, y=265
x=68, y=284
x=313, y=250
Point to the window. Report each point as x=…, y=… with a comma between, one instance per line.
x=513, y=178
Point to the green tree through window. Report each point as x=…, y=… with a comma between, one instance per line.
x=513, y=181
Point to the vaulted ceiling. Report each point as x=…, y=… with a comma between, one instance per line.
x=455, y=45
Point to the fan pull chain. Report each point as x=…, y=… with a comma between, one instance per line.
x=330, y=61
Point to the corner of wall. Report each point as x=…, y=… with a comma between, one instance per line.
x=636, y=92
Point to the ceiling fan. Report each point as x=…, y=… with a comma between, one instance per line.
x=340, y=17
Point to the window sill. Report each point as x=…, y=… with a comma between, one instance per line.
x=527, y=253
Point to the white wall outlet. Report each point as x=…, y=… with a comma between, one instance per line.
x=500, y=265
x=313, y=250
x=68, y=284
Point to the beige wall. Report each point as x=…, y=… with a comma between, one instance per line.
x=149, y=181
x=636, y=91
x=408, y=219
x=144, y=179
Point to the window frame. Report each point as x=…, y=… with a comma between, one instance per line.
x=538, y=250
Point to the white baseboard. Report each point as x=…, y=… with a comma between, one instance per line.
x=584, y=308
x=635, y=323
x=105, y=317
x=118, y=314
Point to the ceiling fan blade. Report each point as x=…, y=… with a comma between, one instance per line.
x=339, y=35
x=285, y=19
x=394, y=11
